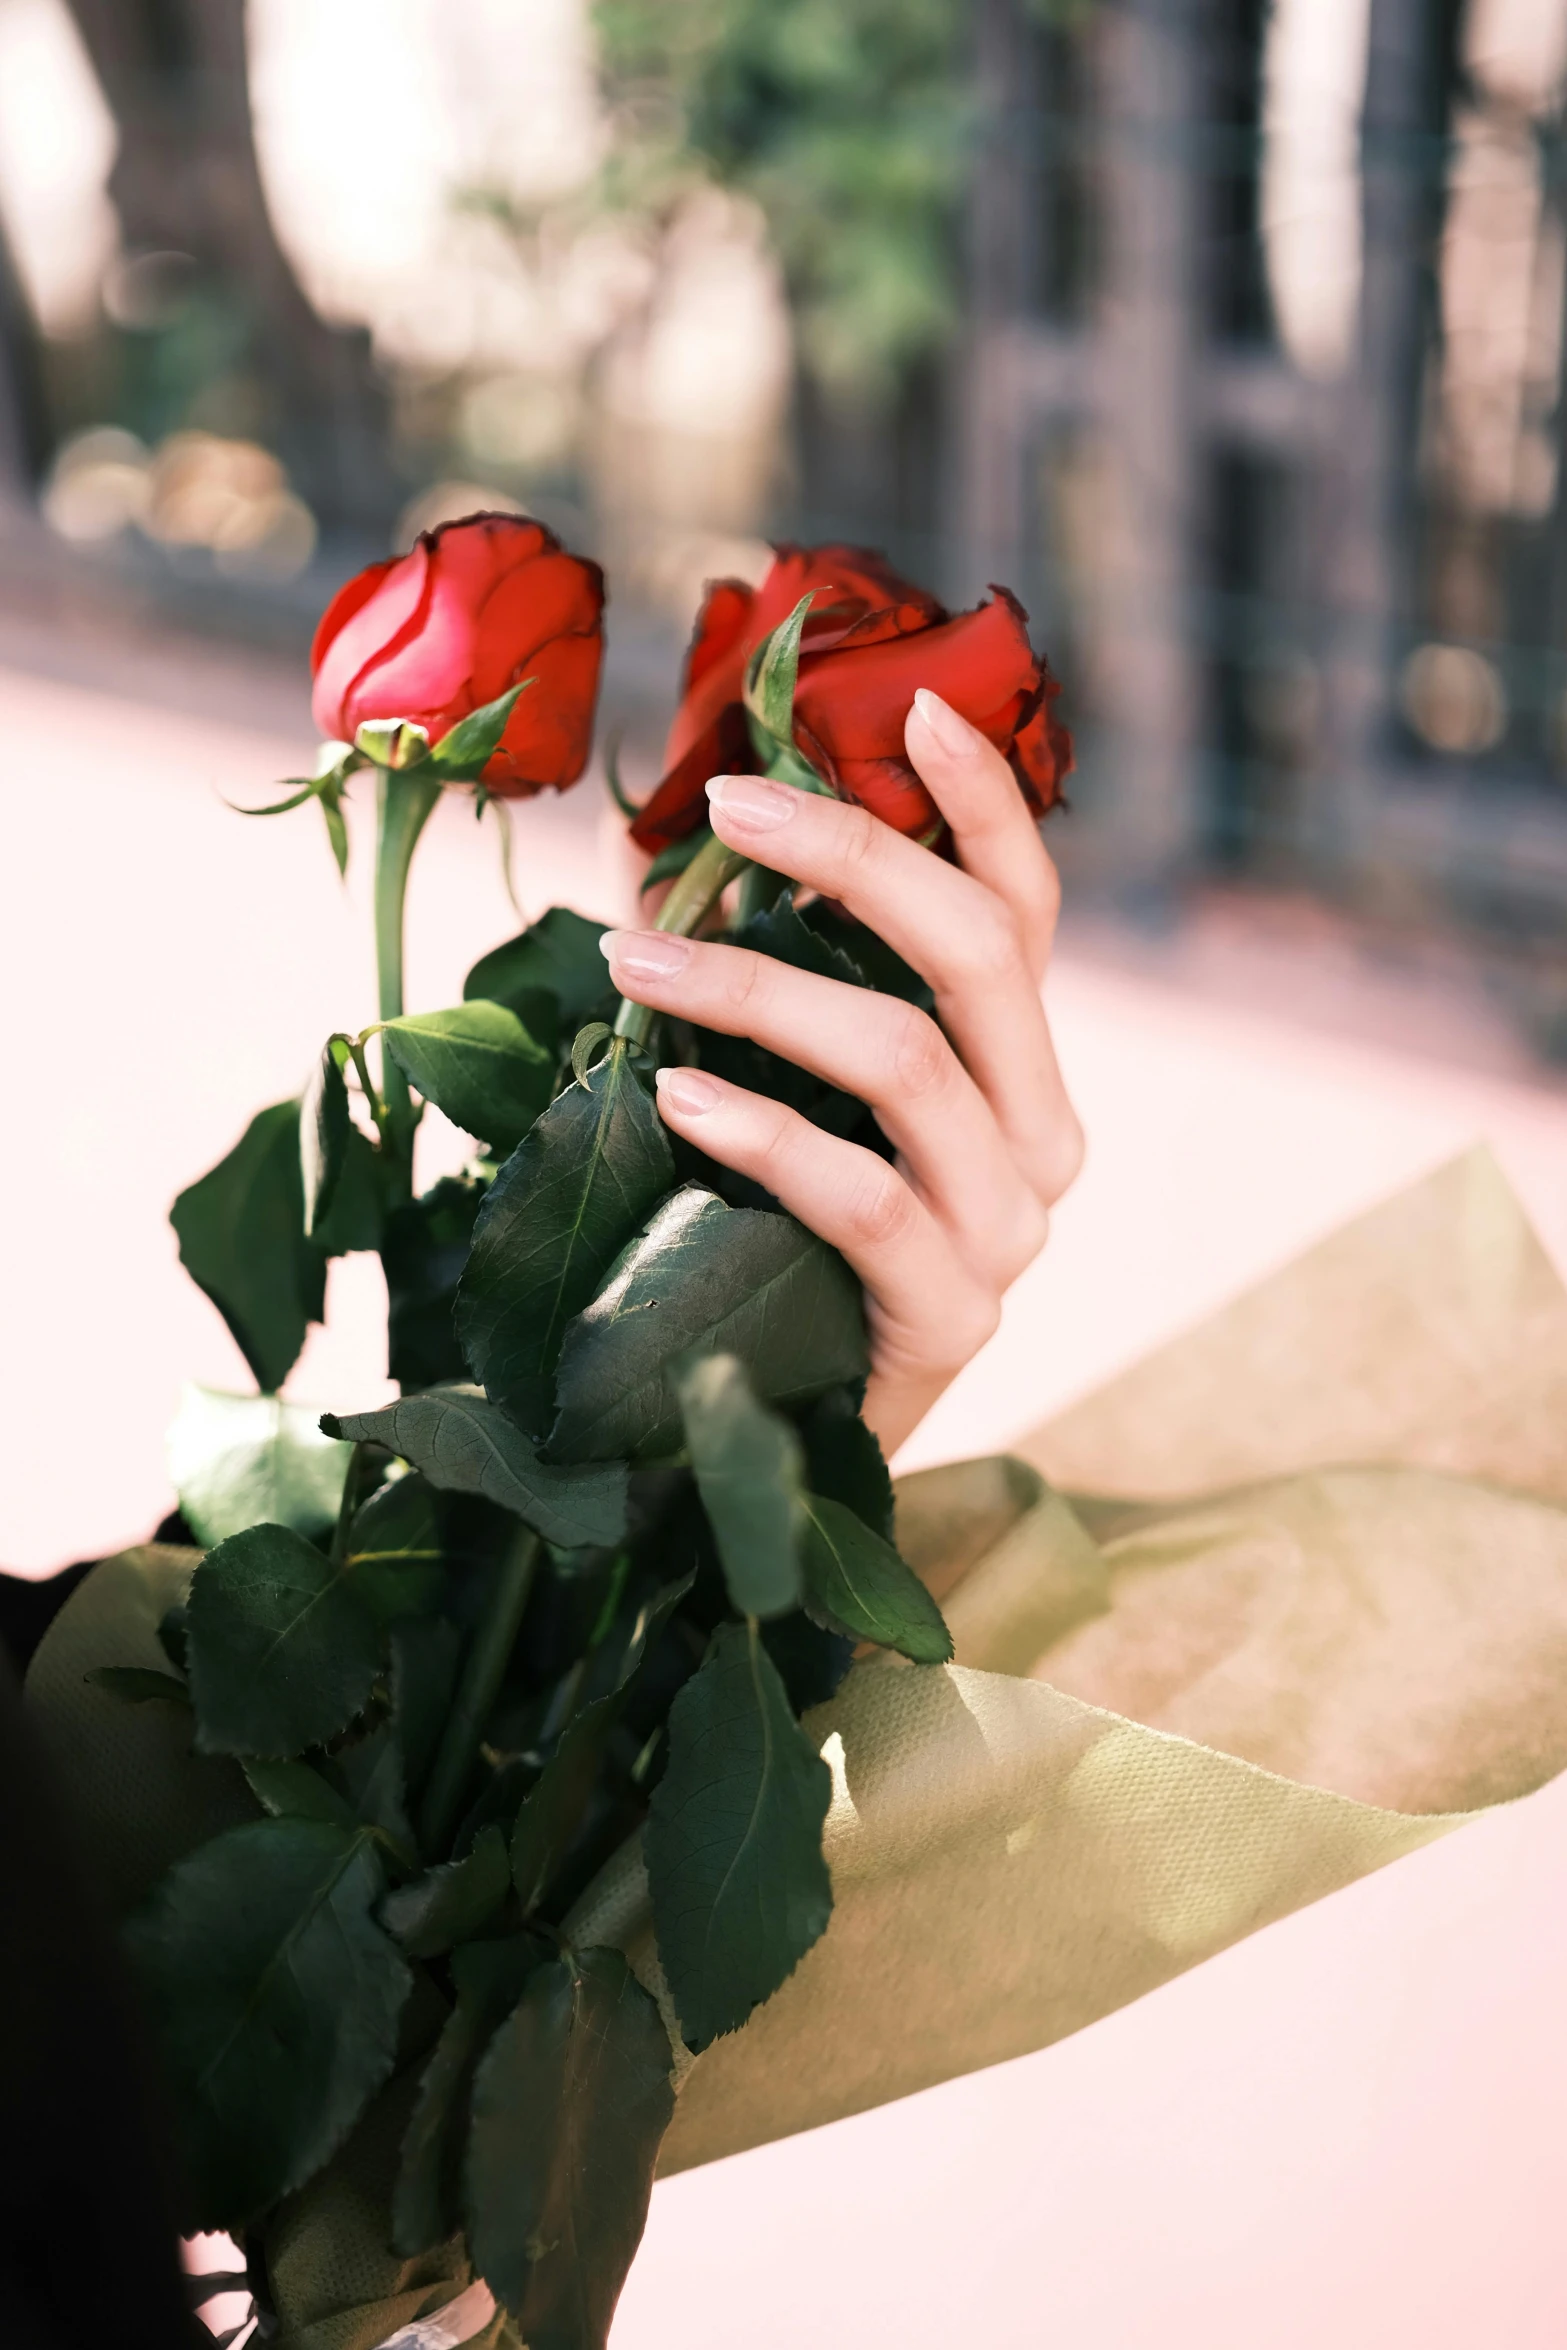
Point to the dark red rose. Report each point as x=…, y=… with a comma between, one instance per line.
x=473, y=608
x=870, y=640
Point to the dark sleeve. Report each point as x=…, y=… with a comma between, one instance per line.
x=88, y=2245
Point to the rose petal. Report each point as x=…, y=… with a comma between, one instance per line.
x=383, y=617
x=679, y=804
x=890, y=789
x=1042, y=756
x=721, y=626
x=855, y=702
x=550, y=733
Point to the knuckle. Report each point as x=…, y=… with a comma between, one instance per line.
x=745, y=978
x=988, y=946
x=880, y=1209
x=1059, y=1157
x=857, y=849
x=1030, y=1232
x=922, y=1059
x=969, y=1322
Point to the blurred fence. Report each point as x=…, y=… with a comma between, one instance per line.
x=1255, y=398
x=1263, y=414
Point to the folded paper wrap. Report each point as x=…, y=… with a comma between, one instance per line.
x=1282, y=1603
x=1275, y=1620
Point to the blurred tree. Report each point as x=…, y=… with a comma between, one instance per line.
x=186, y=182
x=852, y=123
x=848, y=121
x=845, y=119
x=23, y=422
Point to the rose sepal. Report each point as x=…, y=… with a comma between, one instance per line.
x=770, y=678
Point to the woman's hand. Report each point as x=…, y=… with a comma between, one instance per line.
x=986, y=1139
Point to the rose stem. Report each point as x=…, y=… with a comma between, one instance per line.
x=404, y=802
x=697, y=890
x=488, y=1657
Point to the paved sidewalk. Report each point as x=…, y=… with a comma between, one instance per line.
x=1345, y=2131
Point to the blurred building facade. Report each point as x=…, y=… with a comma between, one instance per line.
x=1262, y=410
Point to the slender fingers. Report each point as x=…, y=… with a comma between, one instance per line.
x=930, y=1313
x=954, y=931
x=892, y=1057
x=997, y=839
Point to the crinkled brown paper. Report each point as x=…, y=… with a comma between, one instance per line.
x=1281, y=1603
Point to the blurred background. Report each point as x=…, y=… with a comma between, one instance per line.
x=1228, y=332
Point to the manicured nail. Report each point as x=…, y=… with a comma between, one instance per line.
x=687, y=1091
x=751, y=803
x=952, y=732
x=646, y=954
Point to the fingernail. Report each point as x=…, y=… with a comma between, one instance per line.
x=646, y=954
x=687, y=1091
x=952, y=732
x=752, y=803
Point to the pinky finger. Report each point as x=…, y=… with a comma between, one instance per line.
x=929, y=1313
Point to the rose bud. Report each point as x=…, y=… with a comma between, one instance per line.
x=472, y=609
x=870, y=640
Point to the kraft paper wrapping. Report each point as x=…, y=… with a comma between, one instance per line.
x=1293, y=1603
x=1282, y=1603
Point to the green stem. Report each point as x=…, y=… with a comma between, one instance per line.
x=403, y=806
x=692, y=897
x=488, y=1657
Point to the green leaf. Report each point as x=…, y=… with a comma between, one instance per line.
x=673, y=860
x=781, y=933
x=570, y=2105
x=242, y=1239
x=884, y=969
x=770, y=676
x=463, y=1443
x=293, y=1791
x=734, y=1839
x=427, y=2200
x=463, y=753
x=394, y=1551
x=423, y=1250
x=557, y=1215
x=372, y=1771
x=477, y=1063
x=336, y=829
x=856, y=1583
x=711, y=1279
x=241, y=1460
x=298, y=789
x=283, y=1651
x=356, y=1218
x=139, y=1684
x=844, y=1461
x=747, y=1462
x=425, y=1657
x=553, y=1808
x=324, y=1128
x=276, y=1997
x=558, y=957
x=451, y=1903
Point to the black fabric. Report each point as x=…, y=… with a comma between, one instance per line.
x=88, y=2246
x=28, y=1607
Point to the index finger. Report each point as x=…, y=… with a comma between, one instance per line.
x=997, y=838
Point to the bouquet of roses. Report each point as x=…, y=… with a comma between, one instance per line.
x=432, y=1667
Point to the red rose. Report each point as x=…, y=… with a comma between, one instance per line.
x=473, y=608
x=870, y=640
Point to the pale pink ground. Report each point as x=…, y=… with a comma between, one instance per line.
x=1346, y=2132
